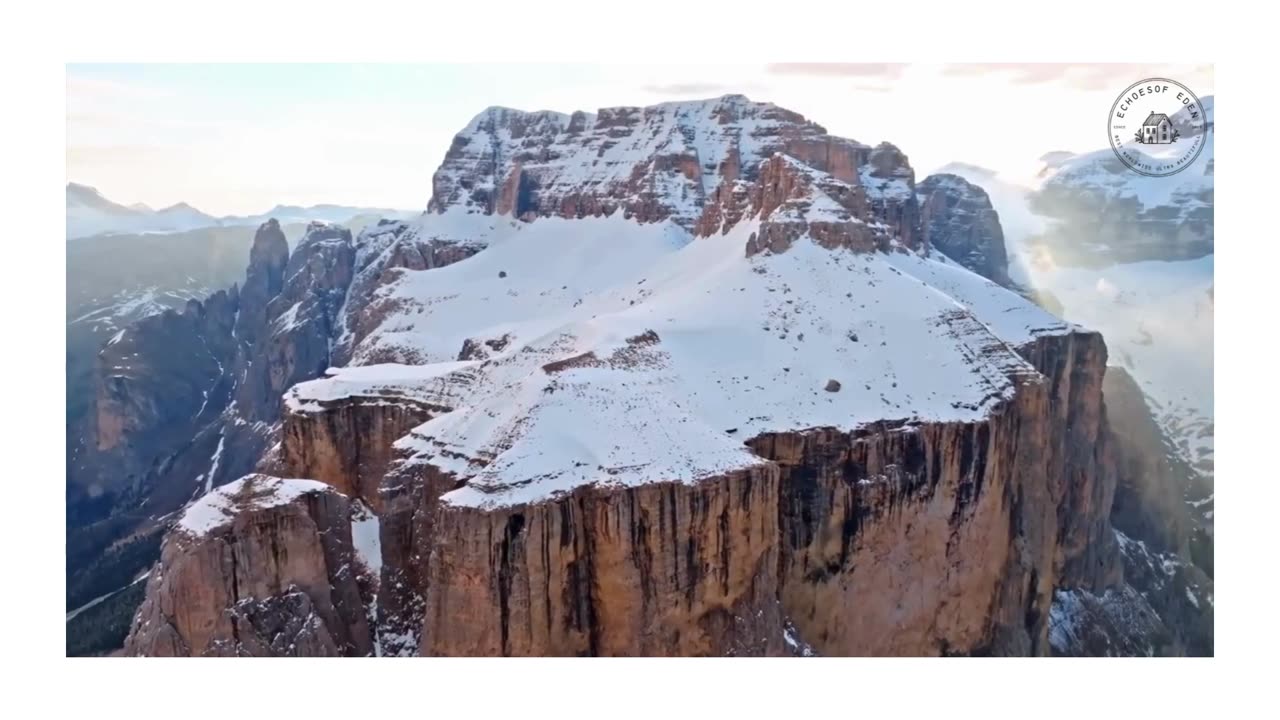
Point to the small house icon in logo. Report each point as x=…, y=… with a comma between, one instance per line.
x=1157, y=129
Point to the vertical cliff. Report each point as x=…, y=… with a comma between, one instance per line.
x=1155, y=483
x=1164, y=604
x=348, y=443
x=957, y=218
x=663, y=569
x=895, y=539
x=260, y=567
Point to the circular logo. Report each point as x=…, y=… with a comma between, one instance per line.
x=1157, y=127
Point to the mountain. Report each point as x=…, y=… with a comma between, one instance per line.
x=1149, y=290
x=960, y=221
x=1148, y=286
x=1102, y=213
x=91, y=214
x=120, y=278
x=295, y=214
x=688, y=379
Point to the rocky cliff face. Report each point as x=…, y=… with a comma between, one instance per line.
x=1161, y=602
x=216, y=372
x=263, y=279
x=348, y=443
x=957, y=218
x=294, y=333
x=1155, y=484
x=699, y=386
x=155, y=383
x=654, y=163
x=662, y=569
x=989, y=517
x=897, y=539
x=383, y=254
x=170, y=377
x=259, y=567
x=792, y=201
x=1164, y=606
x=189, y=401
x=1161, y=512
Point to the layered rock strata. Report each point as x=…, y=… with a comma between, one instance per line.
x=891, y=540
x=260, y=567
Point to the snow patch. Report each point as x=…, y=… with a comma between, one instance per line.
x=365, y=537
x=251, y=492
x=436, y=384
x=214, y=462
x=580, y=397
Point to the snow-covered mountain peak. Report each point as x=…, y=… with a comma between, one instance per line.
x=654, y=163
x=1105, y=177
x=497, y=116
x=722, y=268
x=85, y=195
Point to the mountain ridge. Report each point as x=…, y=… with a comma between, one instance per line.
x=90, y=214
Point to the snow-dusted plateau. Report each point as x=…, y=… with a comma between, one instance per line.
x=697, y=378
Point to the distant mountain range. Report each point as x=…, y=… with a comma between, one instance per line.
x=1132, y=257
x=90, y=213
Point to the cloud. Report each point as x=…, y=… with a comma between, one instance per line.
x=103, y=161
x=1081, y=76
x=862, y=70
x=95, y=88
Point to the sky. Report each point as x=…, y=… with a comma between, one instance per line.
x=241, y=138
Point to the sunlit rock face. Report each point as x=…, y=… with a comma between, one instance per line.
x=262, y=566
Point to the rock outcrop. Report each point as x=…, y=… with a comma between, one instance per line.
x=382, y=254
x=169, y=378
x=1163, y=607
x=263, y=280
x=260, y=567
x=348, y=443
x=957, y=218
x=665, y=161
x=294, y=335
x=189, y=400
x=792, y=200
x=192, y=396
